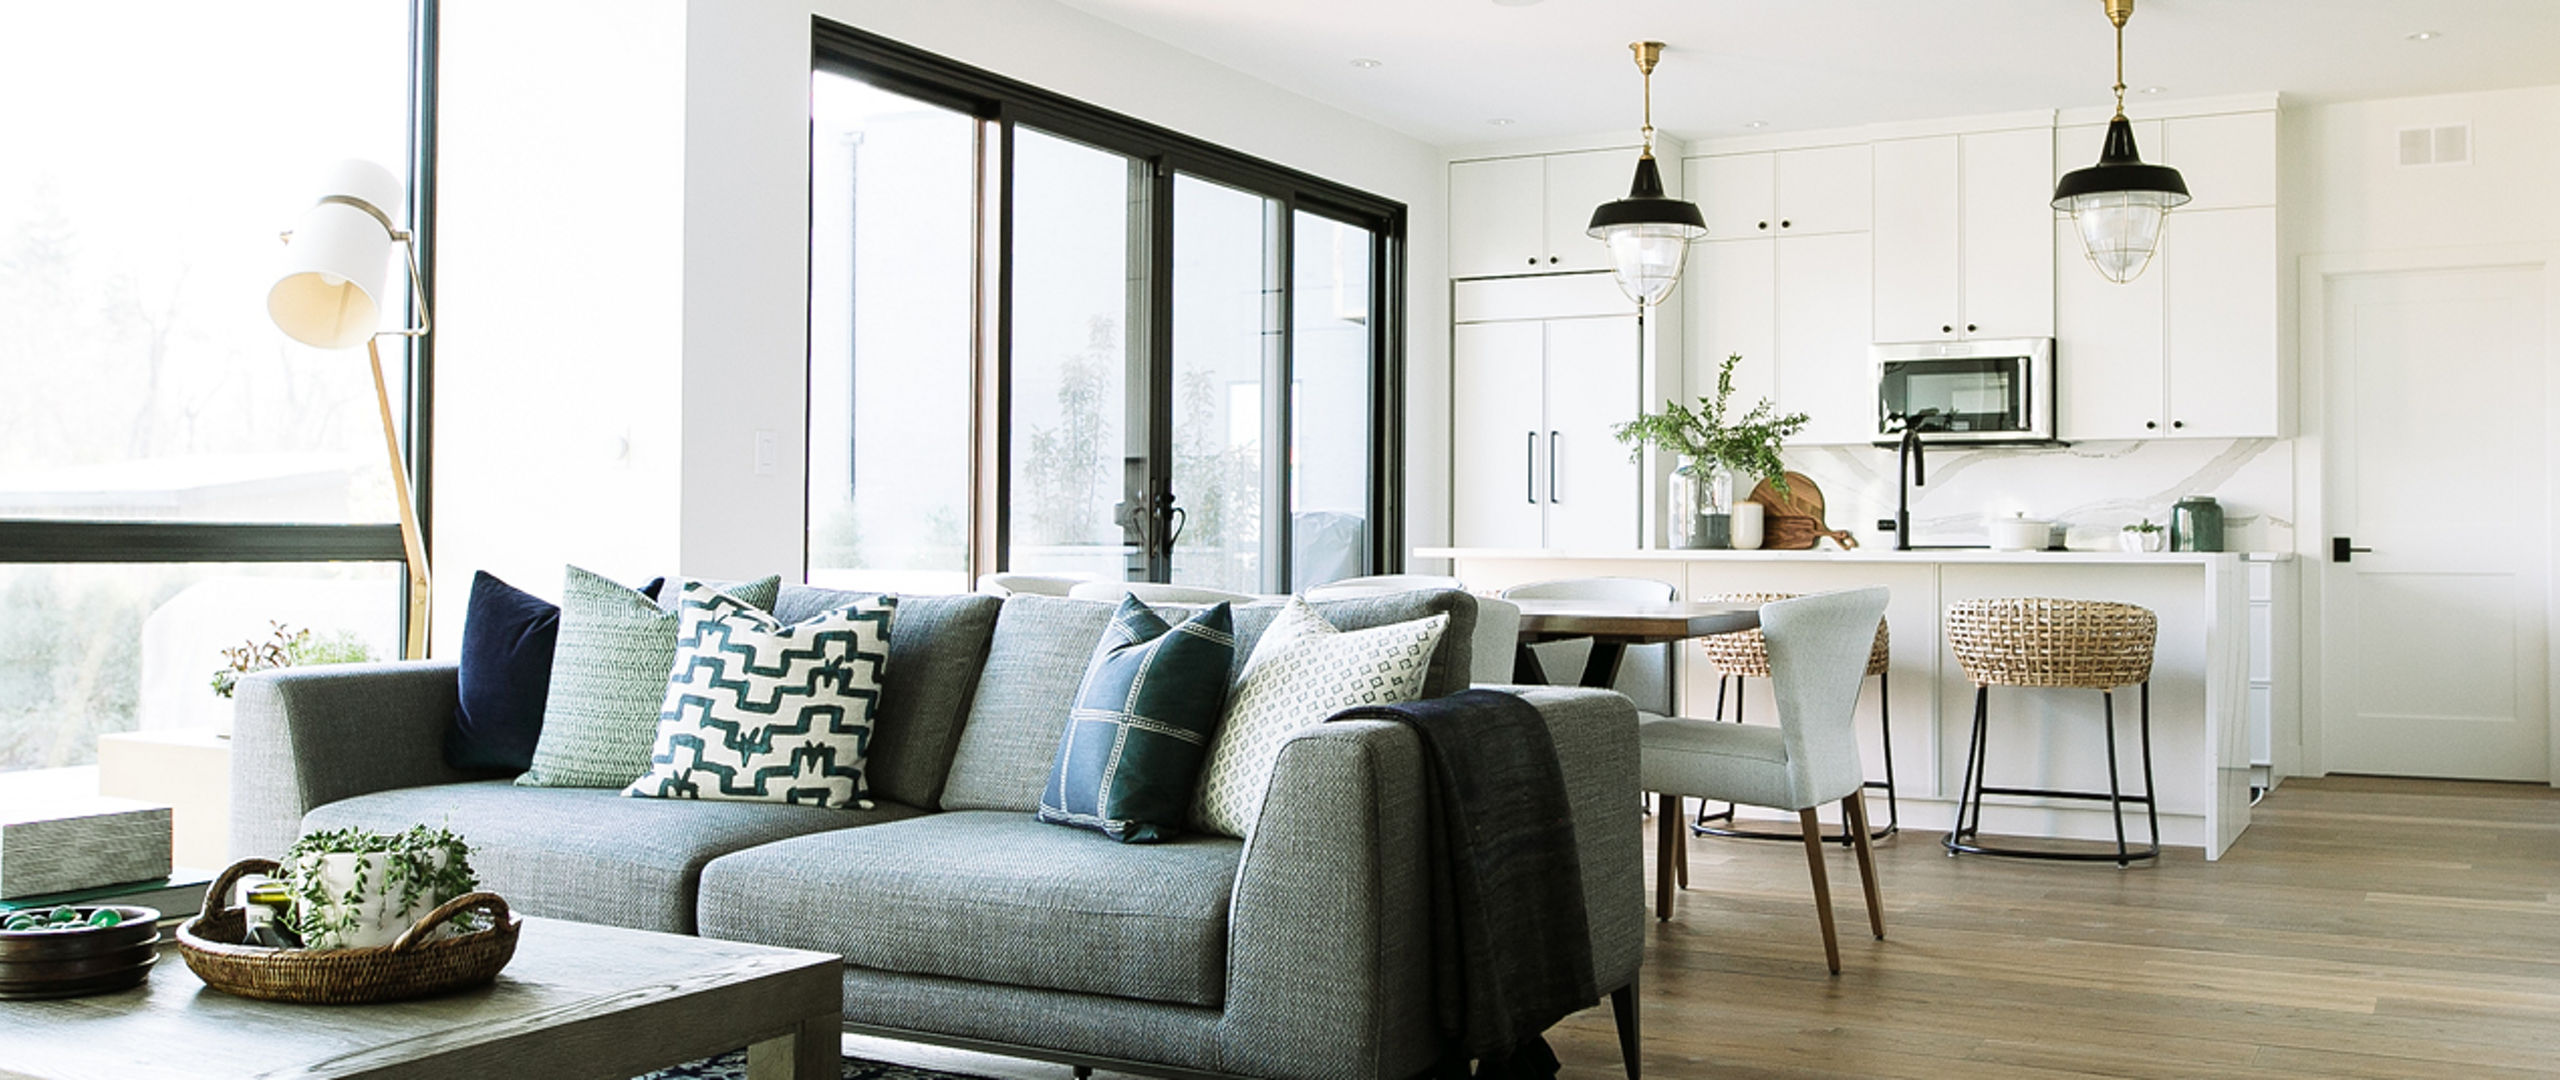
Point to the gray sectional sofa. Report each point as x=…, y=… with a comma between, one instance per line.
x=1301, y=951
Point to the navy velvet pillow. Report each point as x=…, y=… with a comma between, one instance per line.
x=507, y=639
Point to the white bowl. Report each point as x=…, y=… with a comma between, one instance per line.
x=2020, y=534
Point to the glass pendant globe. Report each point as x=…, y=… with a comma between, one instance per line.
x=2121, y=229
x=1646, y=258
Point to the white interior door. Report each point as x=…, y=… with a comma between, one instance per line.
x=2434, y=641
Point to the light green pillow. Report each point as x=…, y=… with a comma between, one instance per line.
x=608, y=677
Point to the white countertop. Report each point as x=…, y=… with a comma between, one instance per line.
x=1863, y=554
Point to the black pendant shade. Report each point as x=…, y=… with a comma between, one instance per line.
x=2119, y=169
x=1645, y=204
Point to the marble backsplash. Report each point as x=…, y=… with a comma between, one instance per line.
x=2094, y=488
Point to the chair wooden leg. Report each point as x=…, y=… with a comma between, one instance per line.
x=1666, y=844
x=1854, y=809
x=1821, y=886
x=1622, y=1002
x=1680, y=846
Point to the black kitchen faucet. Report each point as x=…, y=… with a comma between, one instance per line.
x=1909, y=471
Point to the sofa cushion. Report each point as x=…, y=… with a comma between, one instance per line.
x=1038, y=656
x=588, y=853
x=1302, y=671
x=991, y=897
x=936, y=647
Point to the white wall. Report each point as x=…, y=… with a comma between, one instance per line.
x=559, y=287
x=745, y=228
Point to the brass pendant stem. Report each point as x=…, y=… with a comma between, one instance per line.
x=2117, y=12
x=1648, y=54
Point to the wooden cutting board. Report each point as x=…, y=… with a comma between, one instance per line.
x=1795, y=516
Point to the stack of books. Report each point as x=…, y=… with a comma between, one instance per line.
x=178, y=896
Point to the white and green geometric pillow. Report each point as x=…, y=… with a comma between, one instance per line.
x=1302, y=671
x=608, y=677
x=756, y=711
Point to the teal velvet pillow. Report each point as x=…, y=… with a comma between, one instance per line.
x=1131, y=755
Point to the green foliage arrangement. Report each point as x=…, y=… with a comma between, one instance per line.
x=1748, y=446
x=2143, y=526
x=286, y=647
x=412, y=873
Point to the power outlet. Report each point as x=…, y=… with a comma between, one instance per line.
x=1884, y=524
x=768, y=453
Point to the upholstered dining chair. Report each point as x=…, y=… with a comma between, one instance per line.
x=1028, y=584
x=1644, y=675
x=1152, y=592
x=1818, y=649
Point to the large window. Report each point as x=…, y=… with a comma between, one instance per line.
x=1047, y=338
x=175, y=475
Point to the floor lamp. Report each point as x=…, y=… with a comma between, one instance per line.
x=329, y=296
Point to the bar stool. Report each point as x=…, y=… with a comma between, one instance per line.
x=2035, y=641
x=1745, y=654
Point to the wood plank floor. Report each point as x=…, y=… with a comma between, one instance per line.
x=2362, y=928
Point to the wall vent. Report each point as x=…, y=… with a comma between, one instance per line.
x=2446, y=145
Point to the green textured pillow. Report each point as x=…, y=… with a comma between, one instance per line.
x=1141, y=725
x=608, y=677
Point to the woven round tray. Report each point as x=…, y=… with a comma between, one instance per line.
x=422, y=962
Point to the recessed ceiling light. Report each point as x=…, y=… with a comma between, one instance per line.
x=2154, y=89
x=2425, y=35
x=1500, y=121
x=1755, y=124
x=1365, y=63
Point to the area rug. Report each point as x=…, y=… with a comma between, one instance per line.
x=733, y=1066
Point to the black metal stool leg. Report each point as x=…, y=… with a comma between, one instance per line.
x=2150, y=790
x=1955, y=840
x=2115, y=789
x=1892, y=808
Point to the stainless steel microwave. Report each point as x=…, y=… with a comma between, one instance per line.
x=1987, y=391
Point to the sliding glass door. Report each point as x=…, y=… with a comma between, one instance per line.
x=1050, y=339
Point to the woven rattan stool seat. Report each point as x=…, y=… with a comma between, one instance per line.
x=1747, y=653
x=2040, y=641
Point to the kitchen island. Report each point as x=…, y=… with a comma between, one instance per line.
x=2038, y=738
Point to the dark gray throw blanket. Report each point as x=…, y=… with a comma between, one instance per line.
x=1511, y=949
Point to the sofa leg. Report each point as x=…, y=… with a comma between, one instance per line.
x=1084, y=1072
x=1622, y=1001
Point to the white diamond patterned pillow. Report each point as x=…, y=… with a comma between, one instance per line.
x=761, y=712
x=1302, y=671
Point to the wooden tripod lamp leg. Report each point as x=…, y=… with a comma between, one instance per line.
x=412, y=545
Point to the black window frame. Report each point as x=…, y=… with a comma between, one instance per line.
x=1006, y=103
x=30, y=541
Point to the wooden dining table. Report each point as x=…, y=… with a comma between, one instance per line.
x=1612, y=625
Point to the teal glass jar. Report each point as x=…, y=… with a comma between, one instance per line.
x=2195, y=524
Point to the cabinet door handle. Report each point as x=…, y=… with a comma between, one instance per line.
x=1949, y=329
x=1533, y=260
x=2342, y=549
x=2150, y=425
x=1785, y=224
x=1555, y=441
x=2177, y=423
x=1529, y=472
x=1555, y=258
x=1764, y=226
x=1970, y=328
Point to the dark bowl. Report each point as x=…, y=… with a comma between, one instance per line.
x=14, y=972
x=140, y=924
x=106, y=982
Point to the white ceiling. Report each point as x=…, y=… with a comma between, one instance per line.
x=1560, y=68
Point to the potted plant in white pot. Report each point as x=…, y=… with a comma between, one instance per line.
x=357, y=888
x=1715, y=450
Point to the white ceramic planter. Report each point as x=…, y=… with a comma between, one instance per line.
x=379, y=915
x=2140, y=542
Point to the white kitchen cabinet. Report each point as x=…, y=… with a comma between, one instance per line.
x=1733, y=310
x=1821, y=288
x=1534, y=463
x=1808, y=192
x=2221, y=285
x=2228, y=160
x=1963, y=243
x=2187, y=350
x=1529, y=215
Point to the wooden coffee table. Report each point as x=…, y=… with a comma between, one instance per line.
x=578, y=1001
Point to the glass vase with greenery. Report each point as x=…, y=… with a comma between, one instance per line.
x=1715, y=449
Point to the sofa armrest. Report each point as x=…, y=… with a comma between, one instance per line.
x=1329, y=934
x=301, y=737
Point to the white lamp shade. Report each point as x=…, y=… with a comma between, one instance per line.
x=328, y=293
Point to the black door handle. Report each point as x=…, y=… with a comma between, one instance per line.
x=2342, y=549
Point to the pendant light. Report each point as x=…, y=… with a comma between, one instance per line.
x=2119, y=204
x=1648, y=232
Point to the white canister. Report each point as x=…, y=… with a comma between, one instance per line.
x=1749, y=525
x=2020, y=533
